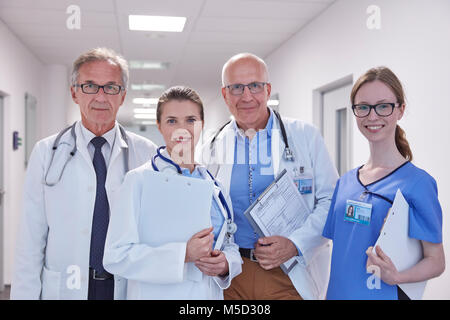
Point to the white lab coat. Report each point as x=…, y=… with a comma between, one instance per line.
x=53, y=245
x=309, y=276
x=158, y=272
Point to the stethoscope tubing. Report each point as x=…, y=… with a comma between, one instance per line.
x=155, y=167
x=74, y=150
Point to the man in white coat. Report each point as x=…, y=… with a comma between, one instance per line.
x=246, y=155
x=71, y=180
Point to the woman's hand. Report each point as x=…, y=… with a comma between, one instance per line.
x=199, y=245
x=215, y=265
x=387, y=270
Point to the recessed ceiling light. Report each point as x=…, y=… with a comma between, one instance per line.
x=145, y=116
x=273, y=103
x=144, y=110
x=139, y=64
x=145, y=100
x=147, y=87
x=147, y=123
x=156, y=23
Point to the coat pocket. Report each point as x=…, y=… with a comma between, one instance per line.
x=51, y=281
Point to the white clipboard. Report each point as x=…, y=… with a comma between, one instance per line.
x=178, y=208
x=404, y=251
x=223, y=230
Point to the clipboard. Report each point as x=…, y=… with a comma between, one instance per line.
x=404, y=251
x=178, y=207
x=293, y=197
x=223, y=230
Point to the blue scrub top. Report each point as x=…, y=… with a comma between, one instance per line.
x=217, y=218
x=348, y=277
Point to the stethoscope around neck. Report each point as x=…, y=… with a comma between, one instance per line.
x=287, y=154
x=231, y=226
x=74, y=151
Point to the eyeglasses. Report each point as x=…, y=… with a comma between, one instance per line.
x=92, y=88
x=381, y=109
x=238, y=88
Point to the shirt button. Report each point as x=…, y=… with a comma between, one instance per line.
x=90, y=189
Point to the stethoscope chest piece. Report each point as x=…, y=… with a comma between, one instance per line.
x=288, y=155
x=231, y=227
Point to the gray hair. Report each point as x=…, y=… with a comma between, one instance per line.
x=100, y=54
x=244, y=55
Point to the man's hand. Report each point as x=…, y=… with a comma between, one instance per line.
x=272, y=251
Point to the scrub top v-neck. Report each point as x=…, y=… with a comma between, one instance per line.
x=348, y=277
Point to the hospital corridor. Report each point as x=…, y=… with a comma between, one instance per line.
x=255, y=113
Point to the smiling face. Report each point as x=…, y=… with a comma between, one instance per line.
x=249, y=109
x=180, y=126
x=98, y=111
x=374, y=127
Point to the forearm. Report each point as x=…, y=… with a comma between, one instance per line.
x=425, y=269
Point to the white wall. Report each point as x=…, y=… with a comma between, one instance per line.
x=151, y=132
x=414, y=41
x=20, y=72
x=55, y=99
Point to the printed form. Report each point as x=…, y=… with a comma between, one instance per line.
x=279, y=210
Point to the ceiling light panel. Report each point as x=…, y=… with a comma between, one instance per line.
x=156, y=23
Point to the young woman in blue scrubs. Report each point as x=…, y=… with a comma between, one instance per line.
x=378, y=103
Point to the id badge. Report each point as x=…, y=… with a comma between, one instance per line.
x=303, y=181
x=359, y=212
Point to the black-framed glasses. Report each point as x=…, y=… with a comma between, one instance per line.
x=382, y=109
x=92, y=88
x=238, y=88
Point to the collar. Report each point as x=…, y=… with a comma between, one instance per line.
x=268, y=128
x=87, y=135
x=185, y=171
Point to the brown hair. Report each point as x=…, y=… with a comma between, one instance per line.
x=386, y=76
x=179, y=93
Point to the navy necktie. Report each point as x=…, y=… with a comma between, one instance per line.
x=101, y=209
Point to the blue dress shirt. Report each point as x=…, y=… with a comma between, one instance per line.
x=252, y=174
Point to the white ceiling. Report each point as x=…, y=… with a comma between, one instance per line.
x=214, y=31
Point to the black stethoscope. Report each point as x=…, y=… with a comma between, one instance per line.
x=231, y=226
x=74, y=150
x=288, y=155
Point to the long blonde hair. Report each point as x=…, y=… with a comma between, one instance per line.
x=386, y=76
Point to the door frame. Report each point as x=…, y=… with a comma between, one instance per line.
x=318, y=111
x=2, y=186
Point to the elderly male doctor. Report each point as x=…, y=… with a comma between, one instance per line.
x=246, y=156
x=70, y=183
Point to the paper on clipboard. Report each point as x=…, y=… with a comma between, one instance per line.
x=279, y=210
x=178, y=207
x=404, y=251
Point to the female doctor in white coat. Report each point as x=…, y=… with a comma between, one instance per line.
x=167, y=272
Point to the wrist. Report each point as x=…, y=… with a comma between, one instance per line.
x=399, y=278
